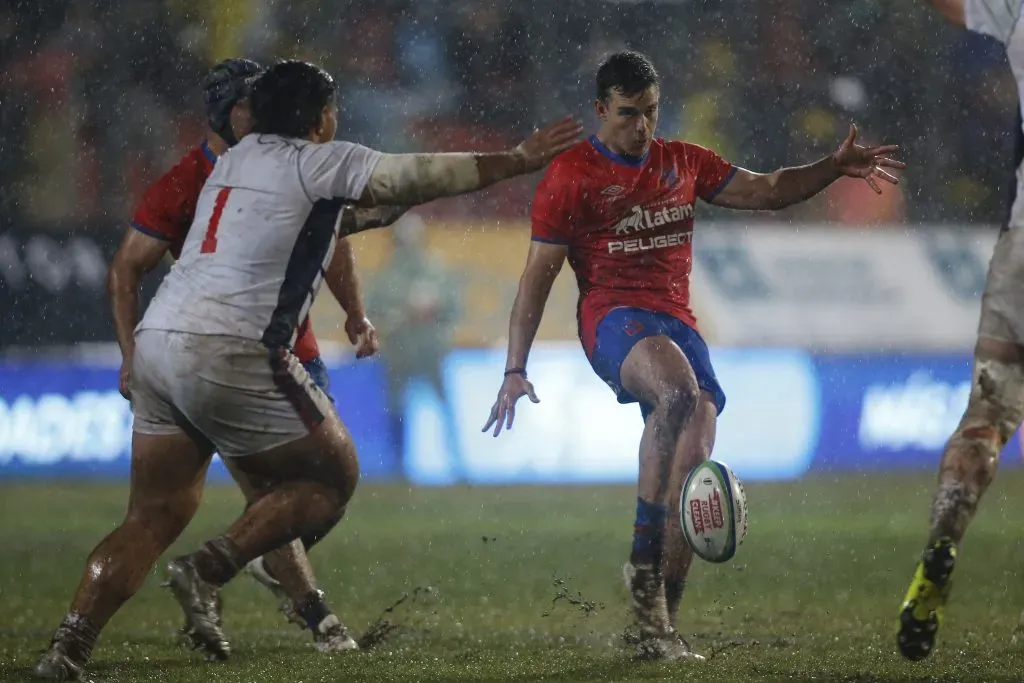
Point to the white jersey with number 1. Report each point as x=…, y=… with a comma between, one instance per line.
x=264, y=231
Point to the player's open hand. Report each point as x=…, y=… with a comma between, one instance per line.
x=548, y=142
x=503, y=413
x=363, y=335
x=868, y=163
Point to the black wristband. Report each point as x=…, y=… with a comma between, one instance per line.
x=516, y=371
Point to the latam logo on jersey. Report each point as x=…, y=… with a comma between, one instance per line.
x=641, y=219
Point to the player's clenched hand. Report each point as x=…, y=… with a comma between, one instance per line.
x=547, y=143
x=363, y=335
x=503, y=413
x=125, y=378
x=868, y=163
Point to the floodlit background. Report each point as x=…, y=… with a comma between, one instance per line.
x=840, y=329
x=99, y=98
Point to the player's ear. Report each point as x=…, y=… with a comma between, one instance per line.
x=241, y=119
x=328, y=124
x=600, y=109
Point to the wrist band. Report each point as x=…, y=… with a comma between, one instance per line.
x=516, y=371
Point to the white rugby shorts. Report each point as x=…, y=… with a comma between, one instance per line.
x=1002, y=304
x=241, y=396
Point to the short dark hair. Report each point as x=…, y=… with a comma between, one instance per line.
x=628, y=72
x=287, y=98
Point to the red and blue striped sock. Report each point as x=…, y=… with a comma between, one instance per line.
x=648, y=533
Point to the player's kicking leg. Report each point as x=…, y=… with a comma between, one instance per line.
x=658, y=373
x=693, y=448
x=167, y=478
x=994, y=412
x=288, y=575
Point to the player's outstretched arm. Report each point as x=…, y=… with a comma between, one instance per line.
x=951, y=10
x=542, y=267
x=356, y=219
x=137, y=254
x=409, y=179
x=788, y=186
x=343, y=281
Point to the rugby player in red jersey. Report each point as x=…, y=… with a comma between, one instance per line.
x=160, y=225
x=620, y=207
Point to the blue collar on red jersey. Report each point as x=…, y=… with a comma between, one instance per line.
x=208, y=152
x=632, y=162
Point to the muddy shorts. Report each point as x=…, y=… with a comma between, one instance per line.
x=242, y=397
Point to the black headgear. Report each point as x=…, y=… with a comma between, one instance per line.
x=227, y=83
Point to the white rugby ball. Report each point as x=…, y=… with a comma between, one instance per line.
x=713, y=508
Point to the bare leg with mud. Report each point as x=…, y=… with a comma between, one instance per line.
x=167, y=479
x=994, y=412
x=658, y=374
x=694, y=447
x=969, y=462
x=308, y=483
x=289, y=576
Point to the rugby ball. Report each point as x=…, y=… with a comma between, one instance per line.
x=713, y=508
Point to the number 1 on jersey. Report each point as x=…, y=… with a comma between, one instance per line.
x=210, y=241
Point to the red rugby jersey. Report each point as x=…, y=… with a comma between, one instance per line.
x=628, y=223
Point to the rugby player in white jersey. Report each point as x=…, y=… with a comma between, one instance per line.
x=158, y=229
x=996, y=404
x=212, y=367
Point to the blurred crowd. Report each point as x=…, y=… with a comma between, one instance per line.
x=98, y=97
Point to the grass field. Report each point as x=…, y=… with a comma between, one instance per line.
x=811, y=596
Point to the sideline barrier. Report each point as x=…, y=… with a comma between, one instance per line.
x=789, y=412
x=68, y=420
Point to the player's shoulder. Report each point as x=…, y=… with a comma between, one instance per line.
x=175, y=192
x=683, y=148
x=261, y=161
x=572, y=165
x=580, y=152
x=279, y=151
x=269, y=144
x=189, y=173
x=167, y=206
x=199, y=159
x=693, y=156
x=260, y=148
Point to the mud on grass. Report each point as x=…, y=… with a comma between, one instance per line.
x=522, y=584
